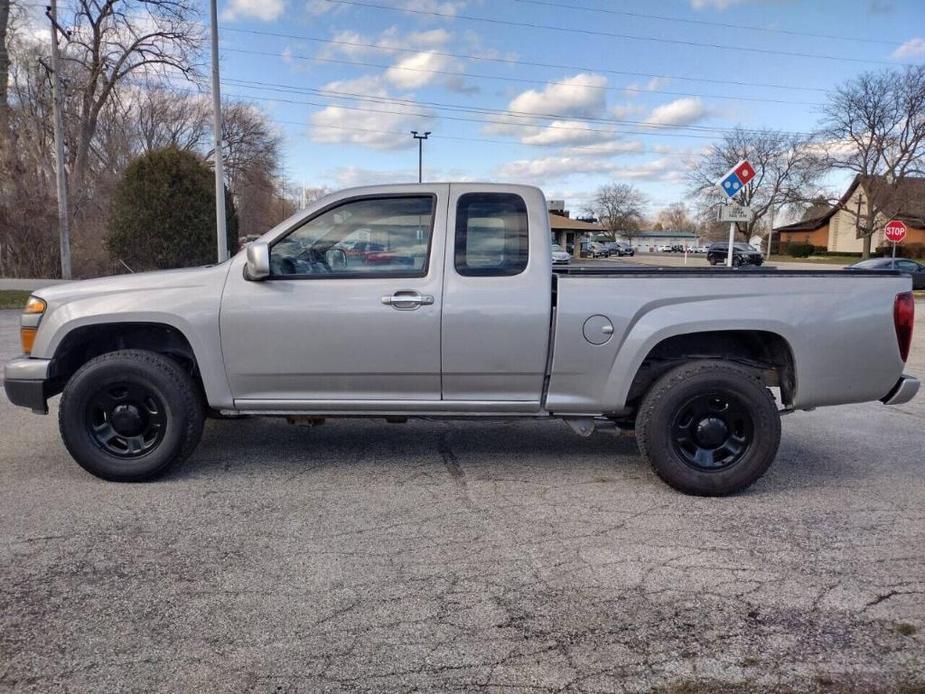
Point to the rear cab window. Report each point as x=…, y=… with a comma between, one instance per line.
x=492, y=238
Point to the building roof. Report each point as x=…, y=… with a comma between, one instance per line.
x=911, y=191
x=560, y=223
x=807, y=224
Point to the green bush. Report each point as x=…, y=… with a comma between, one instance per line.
x=800, y=250
x=163, y=213
x=903, y=250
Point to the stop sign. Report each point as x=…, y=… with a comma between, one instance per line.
x=895, y=231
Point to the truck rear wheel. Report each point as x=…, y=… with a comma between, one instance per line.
x=708, y=428
x=128, y=416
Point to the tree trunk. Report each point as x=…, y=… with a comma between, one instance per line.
x=865, y=251
x=4, y=72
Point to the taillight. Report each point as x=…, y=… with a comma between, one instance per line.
x=903, y=318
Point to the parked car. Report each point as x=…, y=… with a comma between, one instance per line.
x=742, y=254
x=666, y=248
x=594, y=249
x=620, y=249
x=477, y=325
x=916, y=269
x=559, y=256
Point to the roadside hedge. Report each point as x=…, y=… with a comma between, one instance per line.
x=903, y=250
x=163, y=213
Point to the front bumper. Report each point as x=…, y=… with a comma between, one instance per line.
x=26, y=383
x=904, y=390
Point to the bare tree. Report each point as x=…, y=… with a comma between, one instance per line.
x=112, y=41
x=786, y=170
x=4, y=72
x=874, y=126
x=166, y=119
x=675, y=217
x=621, y=208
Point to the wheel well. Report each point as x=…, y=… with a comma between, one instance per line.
x=88, y=342
x=767, y=353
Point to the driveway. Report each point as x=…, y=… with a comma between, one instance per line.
x=490, y=555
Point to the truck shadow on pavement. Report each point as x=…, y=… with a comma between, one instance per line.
x=485, y=449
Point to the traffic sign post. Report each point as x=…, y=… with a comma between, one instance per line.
x=732, y=184
x=895, y=231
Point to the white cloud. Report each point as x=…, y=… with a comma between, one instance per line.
x=581, y=95
x=624, y=111
x=663, y=169
x=715, y=4
x=354, y=44
x=379, y=126
x=678, y=112
x=264, y=10
x=561, y=132
x=545, y=168
x=913, y=48
x=448, y=7
x=416, y=70
x=649, y=86
x=611, y=148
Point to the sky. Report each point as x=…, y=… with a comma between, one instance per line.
x=564, y=94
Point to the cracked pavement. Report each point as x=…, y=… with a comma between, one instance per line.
x=491, y=556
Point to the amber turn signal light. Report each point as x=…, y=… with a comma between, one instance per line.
x=27, y=337
x=35, y=305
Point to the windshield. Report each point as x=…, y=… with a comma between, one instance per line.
x=556, y=247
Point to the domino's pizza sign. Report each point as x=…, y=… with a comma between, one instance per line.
x=736, y=178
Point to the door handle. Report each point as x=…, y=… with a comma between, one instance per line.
x=407, y=301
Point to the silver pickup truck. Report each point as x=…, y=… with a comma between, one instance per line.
x=440, y=300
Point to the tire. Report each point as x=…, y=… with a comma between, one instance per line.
x=712, y=260
x=677, y=432
x=128, y=416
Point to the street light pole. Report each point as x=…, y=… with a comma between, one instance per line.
x=420, y=139
x=220, y=226
x=64, y=217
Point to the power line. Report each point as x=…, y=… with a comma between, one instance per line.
x=552, y=126
x=607, y=34
x=525, y=63
x=704, y=22
x=482, y=110
x=451, y=73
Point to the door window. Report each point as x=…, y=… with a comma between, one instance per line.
x=369, y=237
x=491, y=235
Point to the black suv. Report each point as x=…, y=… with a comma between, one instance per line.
x=742, y=254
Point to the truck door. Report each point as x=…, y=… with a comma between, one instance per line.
x=351, y=310
x=497, y=294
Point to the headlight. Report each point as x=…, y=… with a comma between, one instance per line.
x=35, y=305
x=29, y=323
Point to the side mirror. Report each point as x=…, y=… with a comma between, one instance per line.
x=257, y=266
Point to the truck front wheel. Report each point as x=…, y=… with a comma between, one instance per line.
x=127, y=416
x=708, y=428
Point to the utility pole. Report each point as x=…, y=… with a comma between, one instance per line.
x=220, y=226
x=420, y=139
x=64, y=217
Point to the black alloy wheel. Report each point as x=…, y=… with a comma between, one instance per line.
x=708, y=427
x=713, y=430
x=126, y=419
x=128, y=416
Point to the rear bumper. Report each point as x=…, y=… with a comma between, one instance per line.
x=25, y=381
x=904, y=390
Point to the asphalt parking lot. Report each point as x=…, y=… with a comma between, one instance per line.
x=365, y=556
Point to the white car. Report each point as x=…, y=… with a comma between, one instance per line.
x=559, y=256
x=665, y=248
